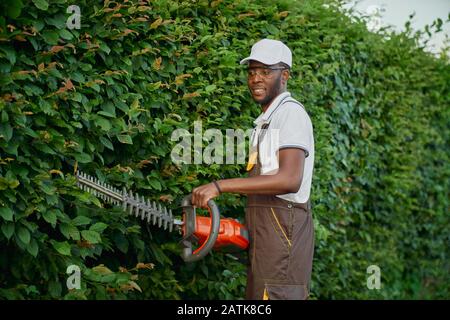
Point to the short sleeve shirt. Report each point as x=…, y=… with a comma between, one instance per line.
x=289, y=126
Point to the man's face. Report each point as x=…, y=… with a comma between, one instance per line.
x=265, y=84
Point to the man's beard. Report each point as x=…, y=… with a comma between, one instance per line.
x=273, y=93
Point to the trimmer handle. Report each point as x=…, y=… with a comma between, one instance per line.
x=189, y=230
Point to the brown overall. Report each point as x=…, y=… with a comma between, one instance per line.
x=281, y=247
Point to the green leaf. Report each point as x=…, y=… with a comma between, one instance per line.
x=46, y=106
x=272, y=29
x=104, y=47
x=101, y=269
x=108, y=278
x=98, y=227
x=76, y=96
x=124, y=138
x=108, y=109
x=5, y=117
x=14, y=183
x=155, y=184
x=41, y=4
x=50, y=217
x=13, y=8
x=24, y=235
x=78, y=77
x=62, y=247
x=107, y=143
x=64, y=228
x=44, y=148
x=48, y=188
x=91, y=236
x=102, y=123
x=6, y=213
x=106, y=114
x=121, y=105
x=4, y=183
x=55, y=289
x=6, y=132
x=210, y=88
x=83, y=157
x=8, y=229
x=10, y=53
x=65, y=34
x=12, y=147
x=30, y=132
x=81, y=220
x=50, y=37
x=69, y=231
x=38, y=25
x=95, y=86
x=58, y=20
x=33, y=248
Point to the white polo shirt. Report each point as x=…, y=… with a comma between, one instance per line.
x=289, y=127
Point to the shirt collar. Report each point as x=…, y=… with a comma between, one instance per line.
x=265, y=116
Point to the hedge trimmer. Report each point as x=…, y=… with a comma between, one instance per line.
x=209, y=232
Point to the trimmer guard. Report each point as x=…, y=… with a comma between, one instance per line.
x=189, y=228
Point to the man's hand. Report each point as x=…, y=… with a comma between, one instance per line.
x=201, y=195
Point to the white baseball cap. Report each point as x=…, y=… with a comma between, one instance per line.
x=270, y=52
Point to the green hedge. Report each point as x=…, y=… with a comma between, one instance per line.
x=106, y=97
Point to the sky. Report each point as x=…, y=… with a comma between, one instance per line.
x=397, y=12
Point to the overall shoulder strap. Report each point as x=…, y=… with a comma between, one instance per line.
x=290, y=99
x=287, y=99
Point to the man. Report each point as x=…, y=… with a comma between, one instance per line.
x=278, y=213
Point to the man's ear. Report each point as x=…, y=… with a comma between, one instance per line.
x=285, y=76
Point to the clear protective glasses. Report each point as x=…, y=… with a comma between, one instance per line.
x=265, y=72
